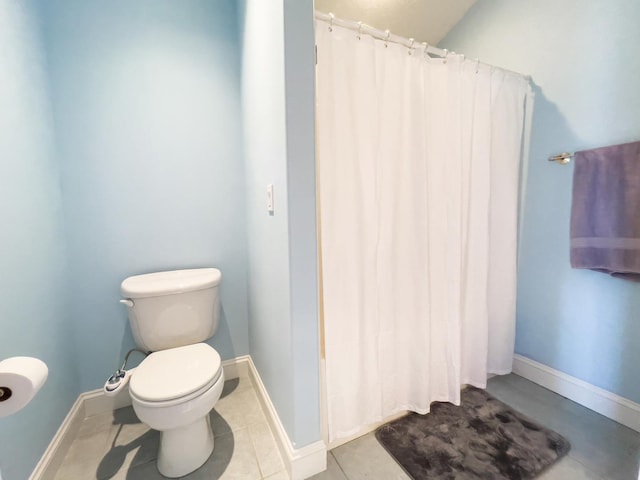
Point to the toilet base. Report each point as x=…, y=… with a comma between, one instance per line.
x=185, y=449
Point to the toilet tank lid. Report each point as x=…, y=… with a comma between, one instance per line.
x=166, y=283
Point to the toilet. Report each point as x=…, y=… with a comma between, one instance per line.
x=175, y=387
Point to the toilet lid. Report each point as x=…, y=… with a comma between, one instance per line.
x=174, y=373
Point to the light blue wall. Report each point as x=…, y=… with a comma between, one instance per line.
x=33, y=307
x=263, y=97
x=278, y=99
x=146, y=160
x=584, y=60
x=299, y=56
x=146, y=99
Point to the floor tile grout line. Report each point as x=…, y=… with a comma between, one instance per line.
x=255, y=453
x=339, y=466
x=263, y=475
x=253, y=443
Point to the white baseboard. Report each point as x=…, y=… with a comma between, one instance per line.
x=236, y=367
x=302, y=462
x=97, y=403
x=609, y=404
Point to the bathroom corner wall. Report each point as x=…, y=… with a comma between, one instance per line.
x=278, y=106
x=146, y=99
x=583, y=57
x=33, y=309
x=299, y=40
x=263, y=99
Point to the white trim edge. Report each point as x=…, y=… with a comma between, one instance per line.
x=301, y=463
x=606, y=403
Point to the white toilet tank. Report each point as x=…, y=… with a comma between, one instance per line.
x=172, y=309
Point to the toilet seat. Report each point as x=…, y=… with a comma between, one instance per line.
x=176, y=375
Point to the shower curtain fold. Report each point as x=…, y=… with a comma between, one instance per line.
x=418, y=179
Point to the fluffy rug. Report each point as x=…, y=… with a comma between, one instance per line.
x=481, y=439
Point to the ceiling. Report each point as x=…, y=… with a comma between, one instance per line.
x=425, y=20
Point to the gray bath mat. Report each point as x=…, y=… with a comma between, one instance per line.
x=481, y=439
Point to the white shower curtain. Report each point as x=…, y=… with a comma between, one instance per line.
x=418, y=174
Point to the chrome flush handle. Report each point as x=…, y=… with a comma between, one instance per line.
x=127, y=301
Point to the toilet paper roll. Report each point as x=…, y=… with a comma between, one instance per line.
x=20, y=380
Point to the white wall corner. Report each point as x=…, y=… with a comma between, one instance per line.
x=301, y=463
x=606, y=403
x=236, y=367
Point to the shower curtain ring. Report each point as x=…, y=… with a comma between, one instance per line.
x=359, y=30
x=411, y=41
x=426, y=49
x=444, y=57
x=386, y=38
x=331, y=17
x=477, y=65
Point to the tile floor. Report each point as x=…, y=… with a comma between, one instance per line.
x=601, y=449
x=118, y=446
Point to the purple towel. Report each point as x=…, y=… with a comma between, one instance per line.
x=605, y=211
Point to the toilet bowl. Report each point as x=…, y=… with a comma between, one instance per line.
x=173, y=391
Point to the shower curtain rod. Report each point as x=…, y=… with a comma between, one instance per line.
x=363, y=28
x=380, y=34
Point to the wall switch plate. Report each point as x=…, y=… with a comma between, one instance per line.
x=270, y=198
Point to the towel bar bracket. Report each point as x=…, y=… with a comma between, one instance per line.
x=562, y=158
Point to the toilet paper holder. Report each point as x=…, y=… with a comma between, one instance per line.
x=21, y=378
x=5, y=394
